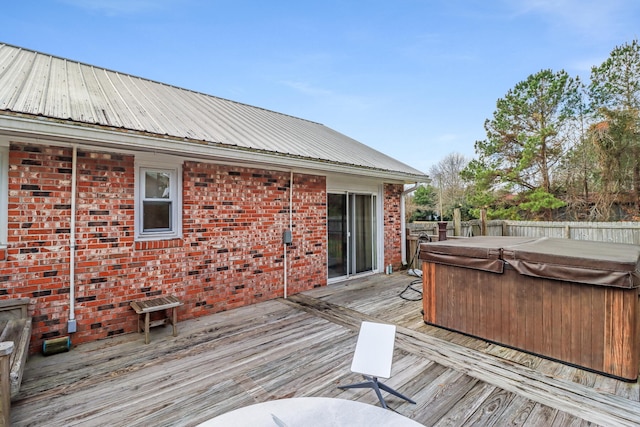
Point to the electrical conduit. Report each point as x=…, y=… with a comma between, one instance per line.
x=284, y=243
x=71, y=324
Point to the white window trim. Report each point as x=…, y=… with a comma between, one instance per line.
x=165, y=164
x=4, y=194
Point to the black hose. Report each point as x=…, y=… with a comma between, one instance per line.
x=410, y=287
x=423, y=237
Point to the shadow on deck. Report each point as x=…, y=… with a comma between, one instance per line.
x=302, y=346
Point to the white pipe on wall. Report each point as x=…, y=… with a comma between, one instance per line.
x=71, y=324
x=284, y=244
x=291, y=202
x=403, y=221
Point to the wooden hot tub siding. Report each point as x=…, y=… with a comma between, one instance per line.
x=591, y=326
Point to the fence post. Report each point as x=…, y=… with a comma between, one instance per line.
x=442, y=231
x=6, y=348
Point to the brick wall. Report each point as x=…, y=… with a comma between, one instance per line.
x=37, y=260
x=392, y=225
x=231, y=253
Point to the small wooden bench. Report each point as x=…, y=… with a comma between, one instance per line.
x=149, y=306
x=15, y=334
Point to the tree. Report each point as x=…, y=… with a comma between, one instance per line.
x=450, y=185
x=420, y=206
x=578, y=169
x=526, y=139
x=424, y=195
x=615, y=99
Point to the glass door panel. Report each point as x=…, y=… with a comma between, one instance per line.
x=363, y=233
x=338, y=233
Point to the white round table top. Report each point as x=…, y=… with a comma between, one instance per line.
x=310, y=412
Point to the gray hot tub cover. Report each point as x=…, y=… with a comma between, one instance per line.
x=479, y=253
x=581, y=261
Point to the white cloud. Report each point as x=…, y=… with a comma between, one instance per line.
x=432, y=48
x=583, y=66
x=595, y=18
x=448, y=138
x=307, y=89
x=120, y=7
x=329, y=96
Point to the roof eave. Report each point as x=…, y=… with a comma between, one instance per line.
x=69, y=132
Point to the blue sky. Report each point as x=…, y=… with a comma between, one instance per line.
x=415, y=79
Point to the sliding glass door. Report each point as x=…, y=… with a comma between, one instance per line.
x=352, y=234
x=338, y=234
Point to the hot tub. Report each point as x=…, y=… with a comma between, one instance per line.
x=567, y=300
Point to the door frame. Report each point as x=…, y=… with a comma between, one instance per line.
x=348, y=185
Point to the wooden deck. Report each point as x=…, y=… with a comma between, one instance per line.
x=303, y=346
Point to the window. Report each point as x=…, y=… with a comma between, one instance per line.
x=4, y=196
x=158, y=209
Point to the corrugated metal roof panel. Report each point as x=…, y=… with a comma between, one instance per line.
x=44, y=85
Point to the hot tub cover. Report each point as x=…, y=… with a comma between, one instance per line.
x=479, y=253
x=596, y=263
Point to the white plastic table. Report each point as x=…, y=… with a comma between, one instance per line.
x=310, y=412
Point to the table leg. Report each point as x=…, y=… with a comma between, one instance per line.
x=146, y=328
x=175, y=320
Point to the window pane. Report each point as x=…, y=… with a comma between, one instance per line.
x=156, y=185
x=156, y=216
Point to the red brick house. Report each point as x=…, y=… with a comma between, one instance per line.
x=114, y=188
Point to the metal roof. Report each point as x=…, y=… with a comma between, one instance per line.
x=46, y=86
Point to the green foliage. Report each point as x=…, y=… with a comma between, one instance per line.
x=525, y=137
x=539, y=200
x=424, y=202
x=615, y=95
x=423, y=215
x=466, y=211
x=552, y=144
x=497, y=204
x=425, y=195
x=615, y=84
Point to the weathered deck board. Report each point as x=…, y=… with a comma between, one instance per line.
x=570, y=397
x=466, y=406
x=303, y=347
x=378, y=308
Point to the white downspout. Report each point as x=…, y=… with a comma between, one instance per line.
x=403, y=222
x=284, y=243
x=71, y=324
